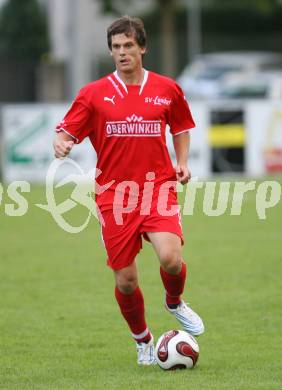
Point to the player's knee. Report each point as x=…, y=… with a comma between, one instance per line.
x=171, y=261
x=127, y=284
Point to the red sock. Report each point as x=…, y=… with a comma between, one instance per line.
x=132, y=309
x=174, y=285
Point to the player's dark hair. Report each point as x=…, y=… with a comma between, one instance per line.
x=129, y=26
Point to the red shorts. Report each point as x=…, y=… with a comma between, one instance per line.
x=123, y=242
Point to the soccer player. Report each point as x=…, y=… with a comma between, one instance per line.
x=125, y=115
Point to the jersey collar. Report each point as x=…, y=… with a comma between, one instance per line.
x=145, y=78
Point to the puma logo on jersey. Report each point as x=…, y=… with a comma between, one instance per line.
x=112, y=100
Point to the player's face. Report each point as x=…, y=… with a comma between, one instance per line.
x=126, y=53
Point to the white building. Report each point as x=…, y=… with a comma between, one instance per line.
x=78, y=35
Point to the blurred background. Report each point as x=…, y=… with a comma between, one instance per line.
x=226, y=55
x=59, y=323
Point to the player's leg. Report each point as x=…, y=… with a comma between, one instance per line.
x=173, y=273
x=172, y=268
x=131, y=302
x=123, y=243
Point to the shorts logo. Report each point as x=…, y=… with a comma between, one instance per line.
x=158, y=101
x=134, y=126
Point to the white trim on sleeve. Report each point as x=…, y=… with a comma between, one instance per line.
x=184, y=131
x=65, y=131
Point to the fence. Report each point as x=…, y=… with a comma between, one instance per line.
x=242, y=137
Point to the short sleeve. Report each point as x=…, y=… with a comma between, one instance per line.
x=180, y=117
x=77, y=121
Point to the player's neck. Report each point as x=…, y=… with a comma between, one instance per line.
x=134, y=78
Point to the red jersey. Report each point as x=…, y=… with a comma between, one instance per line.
x=126, y=125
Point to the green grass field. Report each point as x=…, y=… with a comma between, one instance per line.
x=60, y=327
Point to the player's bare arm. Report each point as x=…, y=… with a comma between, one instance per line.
x=181, y=144
x=63, y=144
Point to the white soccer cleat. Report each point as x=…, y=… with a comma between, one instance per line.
x=146, y=353
x=190, y=321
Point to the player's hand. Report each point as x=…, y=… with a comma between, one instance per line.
x=62, y=148
x=183, y=174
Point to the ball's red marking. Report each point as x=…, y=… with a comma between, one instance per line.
x=163, y=347
x=186, y=349
x=177, y=367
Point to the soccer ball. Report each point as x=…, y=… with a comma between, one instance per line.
x=176, y=349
